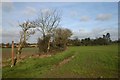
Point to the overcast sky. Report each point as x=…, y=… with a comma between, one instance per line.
x=88, y=19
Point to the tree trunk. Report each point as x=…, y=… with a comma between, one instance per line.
x=19, y=50
x=48, y=45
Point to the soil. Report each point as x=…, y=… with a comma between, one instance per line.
x=65, y=61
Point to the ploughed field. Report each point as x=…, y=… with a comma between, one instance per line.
x=76, y=61
x=6, y=52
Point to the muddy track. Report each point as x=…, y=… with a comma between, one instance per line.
x=65, y=61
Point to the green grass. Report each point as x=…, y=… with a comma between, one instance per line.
x=89, y=61
x=33, y=67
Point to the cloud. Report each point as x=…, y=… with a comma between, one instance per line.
x=29, y=11
x=84, y=18
x=61, y=0
x=73, y=13
x=8, y=36
x=45, y=10
x=103, y=17
x=7, y=6
x=0, y=5
x=94, y=33
x=82, y=33
x=0, y=31
x=12, y=23
x=6, y=0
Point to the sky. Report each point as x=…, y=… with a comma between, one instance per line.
x=60, y=0
x=85, y=19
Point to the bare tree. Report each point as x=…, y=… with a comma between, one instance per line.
x=47, y=22
x=27, y=31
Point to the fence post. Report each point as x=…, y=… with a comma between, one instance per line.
x=12, y=54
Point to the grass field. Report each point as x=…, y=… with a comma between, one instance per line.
x=88, y=62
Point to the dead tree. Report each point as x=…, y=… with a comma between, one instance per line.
x=46, y=23
x=27, y=31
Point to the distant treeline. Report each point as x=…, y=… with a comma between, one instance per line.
x=9, y=45
x=105, y=40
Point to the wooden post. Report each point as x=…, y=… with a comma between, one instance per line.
x=12, y=53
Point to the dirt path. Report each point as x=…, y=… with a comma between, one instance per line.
x=53, y=71
x=65, y=61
